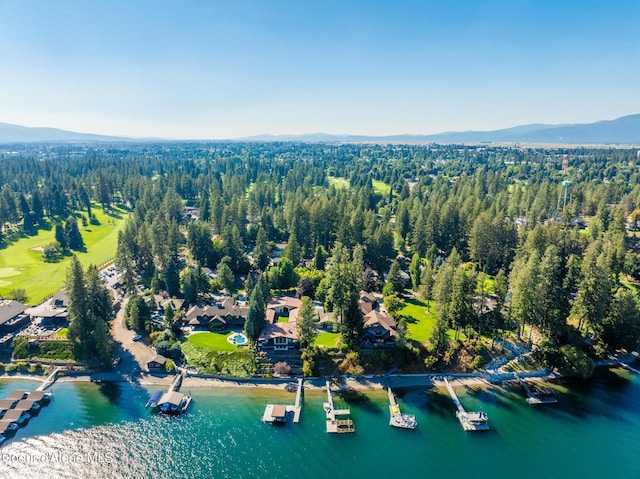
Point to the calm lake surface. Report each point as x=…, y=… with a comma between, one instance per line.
x=103, y=431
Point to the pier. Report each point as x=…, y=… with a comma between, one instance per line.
x=470, y=421
x=49, y=380
x=537, y=395
x=624, y=365
x=173, y=402
x=277, y=413
x=334, y=424
x=396, y=418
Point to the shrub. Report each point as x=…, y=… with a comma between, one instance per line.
x=170, y=366
x=478, y=361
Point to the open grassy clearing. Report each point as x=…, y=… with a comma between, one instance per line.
x=212, y=341
x=420, y=321
x=22, y=265
x=339, y=183
x=327, y=340
x=381, y=187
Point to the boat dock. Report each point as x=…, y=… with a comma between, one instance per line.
x=49, y=380
x=18, y=408
x=172, y=402
x=334, y=424
x=277, y=413
x=537, y=395
x=624, y=365
x=470, y=421
x=396, y=418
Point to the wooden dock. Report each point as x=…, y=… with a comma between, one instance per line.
x=537, y=395
x=49, y=380
x=624, y=365
x=470, y=421
x=277, y=413
x=396, y=418
x=334, y=424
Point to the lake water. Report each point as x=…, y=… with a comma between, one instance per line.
x=103, y=431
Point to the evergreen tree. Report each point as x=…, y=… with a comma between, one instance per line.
x=414, y=271
x=256, y=313
x=262, y=251
x=137, y=313
x=72, y=233
x=172, y=279
x=307, y=323
x=225, y=277
x=61, y=237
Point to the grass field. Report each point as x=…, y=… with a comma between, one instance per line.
x=340, y=183
x=327, y=340
x=212, y=341
x=381, y=187
x=22, y=265
x=420, y=321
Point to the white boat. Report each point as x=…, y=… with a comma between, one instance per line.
x=396, y=418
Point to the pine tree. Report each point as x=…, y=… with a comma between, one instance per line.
x=307, y=323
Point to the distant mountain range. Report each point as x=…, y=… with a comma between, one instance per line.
x=624, y=130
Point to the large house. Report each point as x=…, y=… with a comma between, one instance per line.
x=52, y=312
x=379, y=330
x=379, y=327
x=224, y=315
x=280, y=335
x=12, y=316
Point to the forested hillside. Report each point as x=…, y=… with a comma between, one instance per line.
x=492, y=239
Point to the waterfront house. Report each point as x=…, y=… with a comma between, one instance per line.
x=379, y=330
x=278, y=337
x=12, y=316
x=157, y=364
x=53, y=311
x=223, y=315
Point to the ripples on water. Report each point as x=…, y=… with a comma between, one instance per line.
x=592, y=432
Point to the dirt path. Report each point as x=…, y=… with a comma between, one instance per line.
x=134, y=354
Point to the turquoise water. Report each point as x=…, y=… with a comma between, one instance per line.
x=104, y=431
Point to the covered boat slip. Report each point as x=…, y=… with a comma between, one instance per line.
x=278, y=413
x=173, y=402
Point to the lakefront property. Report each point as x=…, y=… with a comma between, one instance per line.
x=402, y=294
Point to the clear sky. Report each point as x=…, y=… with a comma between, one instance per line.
x=224, y=69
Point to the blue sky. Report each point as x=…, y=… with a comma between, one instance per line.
x=213, y=69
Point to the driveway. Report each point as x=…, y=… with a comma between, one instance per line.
x=134, y=354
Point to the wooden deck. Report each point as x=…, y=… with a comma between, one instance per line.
x=335, y=424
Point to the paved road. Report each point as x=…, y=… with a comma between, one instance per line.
x=134, y=354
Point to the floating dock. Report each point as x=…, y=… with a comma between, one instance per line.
x=396, y=418
x=537, y=395
x=277, y=413
x=334, y=424
x=470, y=421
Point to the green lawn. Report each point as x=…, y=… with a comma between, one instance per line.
x=22, y=266
x=212, y=341
x=381, y=187
x=339, y=183
x=420, y=322
x=327, y=340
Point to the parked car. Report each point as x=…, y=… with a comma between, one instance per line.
x=137, y=337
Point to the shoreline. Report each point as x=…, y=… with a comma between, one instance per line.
x=360, y=383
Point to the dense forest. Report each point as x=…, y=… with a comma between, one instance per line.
x=494, y=238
